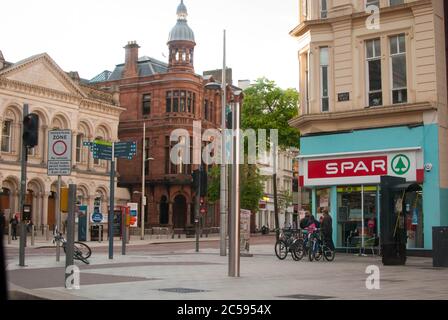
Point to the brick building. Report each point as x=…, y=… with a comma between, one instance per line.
x=165, y=97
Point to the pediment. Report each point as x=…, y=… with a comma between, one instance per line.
x=42, y=71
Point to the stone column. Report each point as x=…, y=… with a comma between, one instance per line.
x=45, y=144
x=90, y=206
x=74, y=134
x=35, y=209
x=170, y=213
x=188, y=215
x=45, y=207
x=1, y=129
x=90, y=159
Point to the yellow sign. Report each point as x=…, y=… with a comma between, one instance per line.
x=64, y=200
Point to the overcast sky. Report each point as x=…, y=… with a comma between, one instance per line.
x=88, y=36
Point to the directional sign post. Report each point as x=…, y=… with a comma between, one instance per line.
x=109, y=151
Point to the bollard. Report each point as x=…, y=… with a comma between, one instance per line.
x=128, y=235
x=32, y=235
x=9, y=233
x=46, y=231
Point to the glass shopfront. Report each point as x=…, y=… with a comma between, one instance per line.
x=322, y=201
x=357, y=214
x=414, y=219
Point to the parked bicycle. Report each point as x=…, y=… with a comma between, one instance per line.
x=318, y=248
x=81, y=251
x=289, y=241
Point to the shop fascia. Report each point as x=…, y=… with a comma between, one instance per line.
x=361, y=167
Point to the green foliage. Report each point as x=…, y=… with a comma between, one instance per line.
x=252, y=187
x=267, y=106
x=213, y=192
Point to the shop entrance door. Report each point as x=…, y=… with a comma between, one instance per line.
x=357, y=217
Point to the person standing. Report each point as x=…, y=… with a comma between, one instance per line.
x=14, y=223
x=327, y=229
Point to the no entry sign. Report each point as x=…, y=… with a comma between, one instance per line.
x=59, y=152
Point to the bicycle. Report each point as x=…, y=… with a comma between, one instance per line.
x=289, y=241
x=318, y=248
x=81, y=251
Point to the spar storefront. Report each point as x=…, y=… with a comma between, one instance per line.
x=347, y=183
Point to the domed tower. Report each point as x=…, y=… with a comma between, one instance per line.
x=181, y=43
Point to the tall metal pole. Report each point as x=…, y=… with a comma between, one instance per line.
x=111, y=204
x=142, y=237
x=58, y=217
x=223, y=197
x=24, y=159
x=234, y=235
x=274, y=177
x=69, y=246
x=197, y=208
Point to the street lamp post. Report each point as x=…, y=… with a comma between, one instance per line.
x=144, y=159
x=234, y=234
x=143, y=183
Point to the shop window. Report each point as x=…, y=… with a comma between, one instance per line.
x=414, y=219
x=322, y=201
x=373, y=67
x=357, y=214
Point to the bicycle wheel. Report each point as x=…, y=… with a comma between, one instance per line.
x=83, y=249
x=281, y=249
x=328, y=254
x=318, y=253
x=311, y=250
x=78, y=256
x=298, y=250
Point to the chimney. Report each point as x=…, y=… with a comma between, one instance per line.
x=131, y=60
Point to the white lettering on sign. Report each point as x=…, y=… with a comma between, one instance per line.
x=379, y=164
x=361, y=167
x=345, y=166
x=59, y=152
x=334, y=168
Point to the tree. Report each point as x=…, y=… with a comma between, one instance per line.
x=267, y=106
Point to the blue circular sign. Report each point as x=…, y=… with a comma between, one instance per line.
x=97, y=217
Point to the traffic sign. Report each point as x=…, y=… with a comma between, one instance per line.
x=59, y=152
x=97, y=217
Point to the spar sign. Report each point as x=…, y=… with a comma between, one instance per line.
x=59, y=153
x=361, y=169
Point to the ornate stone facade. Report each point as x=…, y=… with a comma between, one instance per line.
x=61, y=102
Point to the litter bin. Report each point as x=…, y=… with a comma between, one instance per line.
x=440, y=247
x=96, y=231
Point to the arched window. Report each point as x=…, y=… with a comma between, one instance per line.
x=7, y=135
x=79, y=154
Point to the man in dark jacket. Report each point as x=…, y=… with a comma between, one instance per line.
x=305, y=222
x=327, y=229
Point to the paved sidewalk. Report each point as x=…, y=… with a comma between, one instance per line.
x=187, y=275
x=134, y=241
